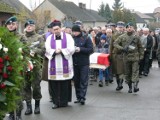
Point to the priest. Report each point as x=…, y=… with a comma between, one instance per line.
x=59, y=50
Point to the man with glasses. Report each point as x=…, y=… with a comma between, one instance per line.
x=59, y=50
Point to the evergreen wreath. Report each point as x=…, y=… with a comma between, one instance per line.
x=11, y=67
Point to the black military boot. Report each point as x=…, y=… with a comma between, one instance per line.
x=136, y=89
x=18, y=116
x=119, y=84
x=130, y=87
x=11, y=116
x=29, y=108
x=37, y=108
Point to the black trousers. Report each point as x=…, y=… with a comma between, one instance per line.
x=61, y=92
x=146, y=63
x=81, y=80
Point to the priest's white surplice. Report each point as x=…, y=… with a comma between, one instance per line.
x=67, y=52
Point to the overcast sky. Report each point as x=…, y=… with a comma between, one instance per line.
x=144, y=6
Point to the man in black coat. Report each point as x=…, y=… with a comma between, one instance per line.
x=147, y=50
x=83, y=49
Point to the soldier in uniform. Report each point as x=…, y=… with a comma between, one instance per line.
x=130, y=45
x=12, y=26
x=33, y=77
x=116, y=57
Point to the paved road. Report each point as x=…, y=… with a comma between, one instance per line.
x=107, y=104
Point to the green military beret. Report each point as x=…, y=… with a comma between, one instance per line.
x=129, y=24
x=11, y=19
x=29, y=22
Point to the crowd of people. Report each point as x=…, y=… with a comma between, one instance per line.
x=66, y=52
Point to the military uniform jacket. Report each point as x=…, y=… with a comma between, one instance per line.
x=115, y=55
x=135, y=49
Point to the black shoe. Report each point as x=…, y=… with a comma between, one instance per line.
x=119, y=88
x=145, y=74
x=110, y=81
x=77, y=101
x=82, y=101
x=100, y=84
x=29, y=108
x=54, y=106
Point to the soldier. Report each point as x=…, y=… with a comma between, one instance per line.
x=130, y=45
x=12, y=26
x=116, y=57
x=33, y=77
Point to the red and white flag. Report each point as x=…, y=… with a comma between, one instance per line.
x=99, y=58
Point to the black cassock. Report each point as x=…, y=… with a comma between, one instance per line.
x=61, y=92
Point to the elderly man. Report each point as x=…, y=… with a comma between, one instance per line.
x=59, y=49
x=147, y=43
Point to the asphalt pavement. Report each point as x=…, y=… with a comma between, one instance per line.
x=105, y=103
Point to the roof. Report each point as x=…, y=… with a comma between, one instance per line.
x=144, y=16
x=150, y=14
x=72, y=10
x=157, y=10
x=138, y=18
x=13, y=6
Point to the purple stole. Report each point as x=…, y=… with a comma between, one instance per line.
x=53, y=62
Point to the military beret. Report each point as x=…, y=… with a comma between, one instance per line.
x=11, y=19
x=129, y=24
x=120, y=24
x=55, y=23
x=29, y=22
